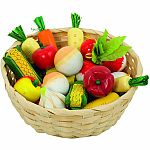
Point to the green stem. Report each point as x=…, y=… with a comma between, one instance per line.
x=98, y=82
x=40, y=23
x=139, y=81
x=35, y=82
x=76, y=19
x=18, y=34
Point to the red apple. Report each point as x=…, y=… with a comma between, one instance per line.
x=44, y=57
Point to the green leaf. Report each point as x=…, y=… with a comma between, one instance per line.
x=113, y=44
x=104, y=37
x=122, y=50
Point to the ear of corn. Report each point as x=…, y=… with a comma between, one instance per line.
x=76, y=98
x=19, y=64
x=111, y=97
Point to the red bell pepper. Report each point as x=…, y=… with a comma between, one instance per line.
x=44, y=57
x=98, y=81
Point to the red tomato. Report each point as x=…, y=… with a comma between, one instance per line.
x=44, y=57
x=87, y=47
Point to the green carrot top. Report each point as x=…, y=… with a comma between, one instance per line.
x=40, y=23
x=76, y=19
x=108, y=50
x=18, y=34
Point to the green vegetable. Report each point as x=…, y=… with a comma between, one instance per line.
x=110, y=50
x=76, y=98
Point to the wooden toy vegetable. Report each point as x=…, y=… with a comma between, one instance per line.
x=68, y=60
x=123, y=84
x=111, y=97
x=70, y=79
x=56, y=82
x=117, y=65
x=29, y=45
x=45, y=36
x=86, y=66
x=119, y=74
x=75, y=35
x=51, y=99
x=76, y=98
x=18, y=63
x=87, y=47
x=28, y=87
x=98, y=81
x=44, y=57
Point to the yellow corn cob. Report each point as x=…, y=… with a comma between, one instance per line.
x=76, y=95
x=22, y=63
x=111, y=97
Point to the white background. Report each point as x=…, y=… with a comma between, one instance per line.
x=119, y=17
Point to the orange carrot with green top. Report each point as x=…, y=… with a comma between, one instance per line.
x=45, y=36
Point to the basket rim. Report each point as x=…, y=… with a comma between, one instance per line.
x=65, y=111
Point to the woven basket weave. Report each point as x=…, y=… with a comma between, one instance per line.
x=72, y=123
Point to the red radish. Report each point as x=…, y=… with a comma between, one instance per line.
x=86, y=66
x=87, y=47
x=117, y=65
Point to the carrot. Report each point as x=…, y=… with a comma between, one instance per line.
x=75, y=35
x=45, y=36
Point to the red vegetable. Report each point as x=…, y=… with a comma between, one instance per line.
x=86, y=66
x=87, y=47
x=116, y=65
x=98, y=81
x=44, y=57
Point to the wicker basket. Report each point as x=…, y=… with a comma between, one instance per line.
x=72, y=123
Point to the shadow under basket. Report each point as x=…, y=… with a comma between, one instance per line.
x=72, y=123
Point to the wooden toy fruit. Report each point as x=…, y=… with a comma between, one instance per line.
x=56, y=82
x=68, y=60
x=111, y=97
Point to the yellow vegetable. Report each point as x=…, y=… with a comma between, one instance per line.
x=75, y=35
x=29, y=45
x=70, y=79
x=111, y=97
x=122, y=84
